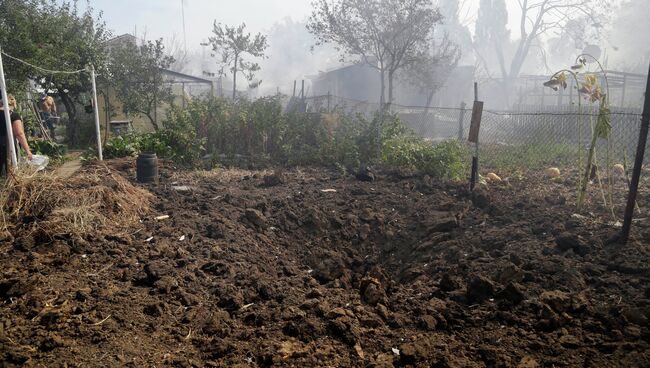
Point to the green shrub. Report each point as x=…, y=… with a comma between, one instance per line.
x=261, y=131
x=178, y=140
x=446, y=160
x=48, y=148
x=121, y=146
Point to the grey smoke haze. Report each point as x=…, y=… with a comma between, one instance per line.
x=624, y=40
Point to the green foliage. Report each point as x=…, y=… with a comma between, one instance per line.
x=527, y=156
x=401, y=148
x=48, y=148
x=447, y=160
x=174, y=143
x=260, y=131
x=603, y=127
x=121, y=146
x=54, y=35
x=136, y=73
x=152, y=143
x=231, y=44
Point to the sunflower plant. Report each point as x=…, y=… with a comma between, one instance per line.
x=590, y=89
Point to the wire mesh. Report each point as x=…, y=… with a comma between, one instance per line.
x=528, y=137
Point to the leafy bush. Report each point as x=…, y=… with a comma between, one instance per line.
x=178, y=140
x=48, y=148
x=121, y=146
x=445, y=160
x=261, y=131
x=151, y=143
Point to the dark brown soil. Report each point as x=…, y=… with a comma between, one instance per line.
x=254, y=270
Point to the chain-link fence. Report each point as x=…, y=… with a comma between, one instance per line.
x=529, y=137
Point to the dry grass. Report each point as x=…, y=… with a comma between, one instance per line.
x=220, y=175
x=95, y=200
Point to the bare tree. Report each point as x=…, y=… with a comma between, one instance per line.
x=176, y=49
x=536, y=19
x=388, y=35
x=232, y=44
x=430, y=73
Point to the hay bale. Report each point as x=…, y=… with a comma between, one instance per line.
x=97, y=200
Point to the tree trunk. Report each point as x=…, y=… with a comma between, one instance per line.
x=234, y=79
x=107, y=114
x=425, y=113
x=382, y=96
x=71, y=109
x=153, y=121
x=391, y=76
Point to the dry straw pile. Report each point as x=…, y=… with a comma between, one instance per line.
x=96, y=200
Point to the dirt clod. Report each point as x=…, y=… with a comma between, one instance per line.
x=402, y=271
x=256, y=217
x=480, y=289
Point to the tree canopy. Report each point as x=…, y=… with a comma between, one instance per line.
x=232, y=45
x=57, y=36
x=536, y=19
x=389, y=35
x=137, y=74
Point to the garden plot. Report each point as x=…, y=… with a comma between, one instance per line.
x=309, y=268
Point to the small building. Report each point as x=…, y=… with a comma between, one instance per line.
x=360, y=82
x=184, y=88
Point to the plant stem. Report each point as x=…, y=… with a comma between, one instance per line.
x=585, y=178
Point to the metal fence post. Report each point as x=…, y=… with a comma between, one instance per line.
x=97, y=128
x=636, y=173
x=5, y=99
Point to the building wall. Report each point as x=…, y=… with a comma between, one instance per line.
x=361, y=82
x=141, y=122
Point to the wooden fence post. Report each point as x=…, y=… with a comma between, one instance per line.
x=461, y=121
x=477, y=113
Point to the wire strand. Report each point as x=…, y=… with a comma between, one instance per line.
x=334, y=99
x=43, y=69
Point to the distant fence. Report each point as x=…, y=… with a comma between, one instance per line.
x=527, y=137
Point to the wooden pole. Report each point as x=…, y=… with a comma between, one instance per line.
x=623, y=90
x=477, y=112
x=183, y=93
x=638, y=163
x=5, y=100
x=107, y=103
x=155, y=104
x=461, y=121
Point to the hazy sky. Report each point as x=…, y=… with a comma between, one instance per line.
x=163, y=18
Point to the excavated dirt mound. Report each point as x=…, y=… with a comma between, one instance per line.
x=305, y=268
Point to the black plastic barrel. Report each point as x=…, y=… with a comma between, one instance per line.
x=147, y=168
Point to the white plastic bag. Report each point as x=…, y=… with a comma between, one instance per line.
x=38, y=162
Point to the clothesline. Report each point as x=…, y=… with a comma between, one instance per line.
x=43, y=69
